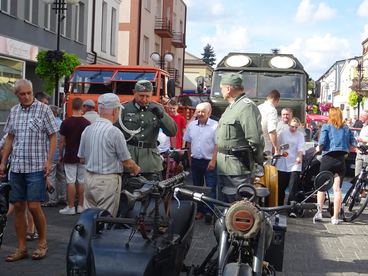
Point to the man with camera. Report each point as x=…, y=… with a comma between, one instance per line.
x=140, y=121
x=239, y=137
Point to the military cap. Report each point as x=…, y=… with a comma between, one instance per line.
x=108, y=100
x=143, y=86
x=90, y=103
x=233, y=79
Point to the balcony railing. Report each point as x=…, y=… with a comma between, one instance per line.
x=174, y=74
x=163, y=27
x=178, y=40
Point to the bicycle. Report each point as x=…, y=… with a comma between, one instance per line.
x=356, y=198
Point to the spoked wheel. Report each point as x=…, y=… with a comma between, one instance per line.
x=354, y=202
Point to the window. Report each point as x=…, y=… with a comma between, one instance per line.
x=145, y=49
x=79, y=20
x=69, y=21
x=10, y=70
x=113, y=32
x=31, y=11
x=147, y=5
x=103, y=27
x=5, y=6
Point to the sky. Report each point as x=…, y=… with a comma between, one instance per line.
x=318, y=33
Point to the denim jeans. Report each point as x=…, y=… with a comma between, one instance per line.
x=27, y=186
x=200, y=176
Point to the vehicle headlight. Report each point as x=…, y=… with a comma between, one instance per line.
x=243, y=219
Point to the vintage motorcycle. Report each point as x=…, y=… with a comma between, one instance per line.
x=151, y=236
x=250, y=238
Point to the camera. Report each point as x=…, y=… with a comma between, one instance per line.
x=50, y=189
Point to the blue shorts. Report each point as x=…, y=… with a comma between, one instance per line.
x=27, y=186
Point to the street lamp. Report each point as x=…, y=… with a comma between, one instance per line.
x=161, y=61
x=59, y=6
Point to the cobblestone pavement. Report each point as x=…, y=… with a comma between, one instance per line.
x=310, y=249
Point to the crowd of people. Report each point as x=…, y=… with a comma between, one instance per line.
x=82, y=161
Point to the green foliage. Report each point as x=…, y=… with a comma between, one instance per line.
x=353, y=98
x=53, y=65
x=209, y=56
x=311, y=84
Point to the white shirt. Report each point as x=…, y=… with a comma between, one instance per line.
x=269, y=122
x=296, y=143
x=364, y=132
x=164, y=141
x=202, y=138
x=91, y=116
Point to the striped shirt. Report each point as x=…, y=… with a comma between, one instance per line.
x=31, y=128
x=103, y=147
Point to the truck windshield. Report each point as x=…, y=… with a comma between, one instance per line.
x=92, y=76
x=259, y=84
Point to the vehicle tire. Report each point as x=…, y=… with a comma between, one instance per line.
x=353, y=203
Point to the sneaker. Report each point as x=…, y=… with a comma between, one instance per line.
x=334, y=221
x=80, y=209
x=292, y=215
x=317, y=217
x=67, y=211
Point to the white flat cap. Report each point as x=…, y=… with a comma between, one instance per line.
x=108, y=100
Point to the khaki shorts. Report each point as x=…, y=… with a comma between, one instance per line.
x=74, y=172
x=102, y=191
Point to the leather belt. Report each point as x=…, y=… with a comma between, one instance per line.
x=141, y=144
x=225, y=151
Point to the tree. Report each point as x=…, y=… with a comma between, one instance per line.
x=209, y=56
x=53, y=65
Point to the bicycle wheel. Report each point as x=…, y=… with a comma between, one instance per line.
x=354, y=202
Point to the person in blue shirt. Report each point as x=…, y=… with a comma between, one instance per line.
x=335, y=141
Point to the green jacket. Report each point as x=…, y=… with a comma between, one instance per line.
x=239, y=125
x=133, y=117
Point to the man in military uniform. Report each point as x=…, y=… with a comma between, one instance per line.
x=140, y=122
x=239, y=126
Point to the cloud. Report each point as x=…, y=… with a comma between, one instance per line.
x=317, y=52
x=217, y=9
x=308, y=13
x=363, y=8
x=226, y=40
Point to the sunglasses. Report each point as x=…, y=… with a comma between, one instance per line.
x=293, y=126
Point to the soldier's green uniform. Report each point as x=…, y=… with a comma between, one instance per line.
x=240, y=125
x=144, y=127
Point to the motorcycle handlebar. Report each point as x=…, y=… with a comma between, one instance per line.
x=199, y=197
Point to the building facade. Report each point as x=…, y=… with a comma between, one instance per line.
x=196, y=73
x=30, y=26
x=154, y=26
x=88, y=29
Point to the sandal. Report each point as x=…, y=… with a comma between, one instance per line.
x=18, y=254
x=32, y=236
x=40, y=252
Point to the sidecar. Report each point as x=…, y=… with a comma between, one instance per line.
x=102, y=245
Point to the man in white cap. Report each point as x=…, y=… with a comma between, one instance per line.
x=104, y=152
x=89, y=111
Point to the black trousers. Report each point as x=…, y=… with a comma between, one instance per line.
x=291, y=180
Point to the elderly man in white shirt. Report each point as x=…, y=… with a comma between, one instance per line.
x=201, y=141
x=104, y=151
x=269, y=121
x=362, y=139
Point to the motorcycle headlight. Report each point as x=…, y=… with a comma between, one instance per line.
x=243, y=219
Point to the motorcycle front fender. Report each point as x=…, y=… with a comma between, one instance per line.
x=237, y=269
